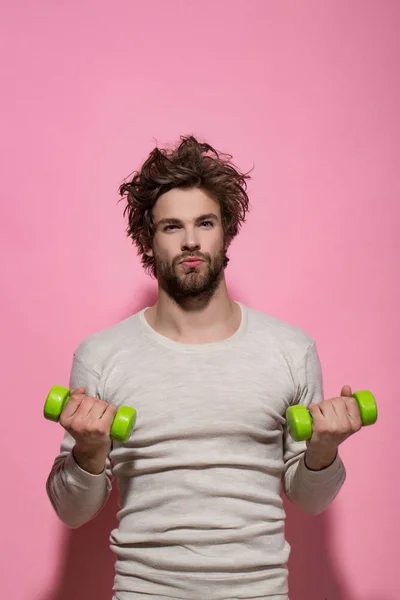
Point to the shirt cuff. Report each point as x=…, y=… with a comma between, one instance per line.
x=334, y=472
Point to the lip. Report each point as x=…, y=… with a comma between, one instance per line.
x=192, y=259
x=192, y=262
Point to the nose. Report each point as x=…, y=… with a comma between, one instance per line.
x=190, y=247
x=190, y=242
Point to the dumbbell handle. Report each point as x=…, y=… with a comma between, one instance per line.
x=299, y=419
x=122, y=425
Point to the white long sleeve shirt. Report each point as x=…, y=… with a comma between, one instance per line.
x=200, y=479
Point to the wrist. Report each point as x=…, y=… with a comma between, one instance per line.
x=319, y=460
x=92, y=462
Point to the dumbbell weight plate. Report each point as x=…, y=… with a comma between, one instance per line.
x=55, y=402
x=299, y=422
x=123, y=423
x=367, y=407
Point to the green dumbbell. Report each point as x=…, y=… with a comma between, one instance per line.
x=299, y=419
x=122, y=425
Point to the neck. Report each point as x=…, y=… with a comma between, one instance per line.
x=198, y=321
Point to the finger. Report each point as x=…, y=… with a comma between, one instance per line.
x=96, y=411
x=342, y=416
x=327, y=410
x=109, y=414
x=72, y=405
x=346, y=391
x=87, y=405
x=353, y=413
x=348, y=414
x=327, y=418
x=77, y=408
x=99, y=419
x=318, y=416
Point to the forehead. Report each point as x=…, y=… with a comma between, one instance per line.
x=185, y=205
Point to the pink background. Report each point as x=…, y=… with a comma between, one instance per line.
x=309, y=93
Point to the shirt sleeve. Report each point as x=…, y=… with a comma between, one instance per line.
x=313, y=491
x=76, y=495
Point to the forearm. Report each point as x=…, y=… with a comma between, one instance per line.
x=314, y=490
x=76, y=495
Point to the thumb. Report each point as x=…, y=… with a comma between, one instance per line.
x=346, y=391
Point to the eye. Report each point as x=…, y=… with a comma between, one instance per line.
x=206, y=224
x=170, y=227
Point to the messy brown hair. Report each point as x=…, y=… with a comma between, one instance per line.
x=190, y=164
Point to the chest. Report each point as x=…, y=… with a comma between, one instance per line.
x=240, y=393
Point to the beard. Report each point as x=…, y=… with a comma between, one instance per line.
x=193, y=285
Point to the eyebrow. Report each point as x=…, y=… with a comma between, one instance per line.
x=173, y=221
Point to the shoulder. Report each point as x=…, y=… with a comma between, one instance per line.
x=283, y=334
x=98, y=346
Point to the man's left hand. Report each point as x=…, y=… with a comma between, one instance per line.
x=334, y=421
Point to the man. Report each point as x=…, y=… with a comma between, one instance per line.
x=200, y=478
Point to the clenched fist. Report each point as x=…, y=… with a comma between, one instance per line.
x=334, y=420
x=88, y=420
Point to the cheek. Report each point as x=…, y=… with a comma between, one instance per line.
x=166, y=250
x=219, y=244
x=213, y=242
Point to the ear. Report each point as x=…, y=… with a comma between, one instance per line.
x=149, y=252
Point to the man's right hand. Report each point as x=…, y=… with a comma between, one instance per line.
x=88, y=420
